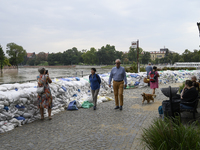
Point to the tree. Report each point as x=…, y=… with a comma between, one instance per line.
x=31, y=61
x=132, y=54
x=69, y=55
x=16, y=53
x=145, y=58
x=2, y=58
x=6, y=62
x=107, y=54
x=90, y=57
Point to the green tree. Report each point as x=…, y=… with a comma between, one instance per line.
x=6, y=62
x=69, y=55
x=90, y=57
x=31, y=61
x=145, y=58
x=16, y=53
x=2, y=58
x=107, y=54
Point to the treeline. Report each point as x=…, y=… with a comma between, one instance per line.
x=104, y=56
x=186, y=56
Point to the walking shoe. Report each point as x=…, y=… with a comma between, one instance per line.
x=120, y=107
x=94, y=107
x=117, y=107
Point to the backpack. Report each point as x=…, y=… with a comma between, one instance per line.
x=152, y=77
x=96, y=77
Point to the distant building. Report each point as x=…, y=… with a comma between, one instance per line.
x=31, y=55
x=159, y=54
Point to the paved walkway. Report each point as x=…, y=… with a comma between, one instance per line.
x=104, y=128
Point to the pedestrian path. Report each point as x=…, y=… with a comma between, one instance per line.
x=87, y=129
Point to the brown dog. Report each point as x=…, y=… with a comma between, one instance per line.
x=148, y=97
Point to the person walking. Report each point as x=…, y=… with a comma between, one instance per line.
x=153, y=77
x=148, y=69
x=44, y=98
x=95, y=82
x=118, y=74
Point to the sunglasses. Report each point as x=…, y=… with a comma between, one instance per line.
x=118, y=63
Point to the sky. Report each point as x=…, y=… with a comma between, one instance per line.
x=55, y=26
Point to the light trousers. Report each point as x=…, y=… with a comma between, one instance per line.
x=94, y=96
x=118, y=92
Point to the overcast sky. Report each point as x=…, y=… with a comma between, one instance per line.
x=55, y=26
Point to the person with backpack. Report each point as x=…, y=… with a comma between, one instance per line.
x=95, y=82
x=153, y=78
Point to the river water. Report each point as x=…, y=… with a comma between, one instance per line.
x=30, y=74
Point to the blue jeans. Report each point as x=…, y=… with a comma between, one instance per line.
x=185, y=107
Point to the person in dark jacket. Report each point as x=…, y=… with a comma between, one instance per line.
x=188, y=94
x=95, y=82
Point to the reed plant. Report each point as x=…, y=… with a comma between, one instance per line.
x=171, y=135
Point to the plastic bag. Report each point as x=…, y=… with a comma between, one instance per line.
x=72, y=106
x=87, y=104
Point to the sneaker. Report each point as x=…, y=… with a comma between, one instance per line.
x=117, y=107
x=120, y=108
x=94, y=107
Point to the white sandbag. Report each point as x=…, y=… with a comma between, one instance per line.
x=15, y=122
x=2, y=117
x=27, y=115
x=23, y=100
x=8, y=86
x=3, y=89
x=1, y=123
x=1, y=106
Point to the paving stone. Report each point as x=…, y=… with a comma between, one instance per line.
x=104, y=128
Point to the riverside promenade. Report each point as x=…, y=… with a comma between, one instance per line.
x=87, y=129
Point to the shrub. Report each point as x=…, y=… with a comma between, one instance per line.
x=169, y=135
x=181, y=87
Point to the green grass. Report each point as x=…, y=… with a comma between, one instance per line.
x=167, y=135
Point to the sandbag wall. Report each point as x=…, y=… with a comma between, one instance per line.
x=18, y=102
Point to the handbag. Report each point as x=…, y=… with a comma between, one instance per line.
x=146, y=80
x=40, y=90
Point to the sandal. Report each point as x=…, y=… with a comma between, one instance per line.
x=50, y=118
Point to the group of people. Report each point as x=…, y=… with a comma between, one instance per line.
x=188, y=94
x=118, y=74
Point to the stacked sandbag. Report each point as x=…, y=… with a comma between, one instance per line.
x=18, y=102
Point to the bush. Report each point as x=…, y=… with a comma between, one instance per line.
x=169, y=135
x=181, y=87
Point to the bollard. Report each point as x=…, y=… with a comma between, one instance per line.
x=82, y=73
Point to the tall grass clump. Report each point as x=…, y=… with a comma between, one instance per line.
x=169, y=135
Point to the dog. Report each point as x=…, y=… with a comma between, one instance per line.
x=148, y=97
